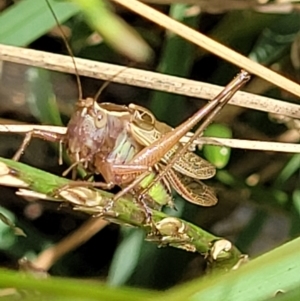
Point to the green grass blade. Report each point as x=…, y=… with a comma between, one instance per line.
x=126, y=257
x=295, y=214
x=41, y=98
x=258, y=280
x=27, y=20
x=293, y=295
x=115, y=31
x=67, y=288
x=290, y=168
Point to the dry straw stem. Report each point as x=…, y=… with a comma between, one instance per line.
x=233, y=143
x=146, y=79
x=211, y=45
x=221, y=6
x=48, y=257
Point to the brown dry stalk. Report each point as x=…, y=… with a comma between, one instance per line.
x=142, y=78
x=210, y=45
x=233, y=143
x=49, y=256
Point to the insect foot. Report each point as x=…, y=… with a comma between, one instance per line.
x=147, y=201
x=107, y=210
x=141, y=200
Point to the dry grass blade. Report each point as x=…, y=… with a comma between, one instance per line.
x=211, y=45
x=141, y=78
x=24, y=128
x=252, y=144
x=233, y=143
x=49, y=256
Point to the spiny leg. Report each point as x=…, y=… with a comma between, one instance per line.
x=136, y=186
x=221, y=100
x=151, y=154
x=132, y=185
x=46, y=135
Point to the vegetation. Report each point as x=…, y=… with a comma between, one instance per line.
x=258, y=210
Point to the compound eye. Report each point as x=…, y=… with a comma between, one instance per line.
x=100, y=119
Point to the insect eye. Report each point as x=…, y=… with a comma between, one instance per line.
x=100, y=120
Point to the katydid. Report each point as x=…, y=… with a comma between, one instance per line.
x=110, y=140
x=107, y=142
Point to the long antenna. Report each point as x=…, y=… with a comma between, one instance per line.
x=104, y=86
x=68, y=49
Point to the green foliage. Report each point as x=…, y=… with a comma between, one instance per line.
x=118, y=34
x=126, y=257
x=264, y=185
x=41, y=98
x=23, y=23
x=260, y=279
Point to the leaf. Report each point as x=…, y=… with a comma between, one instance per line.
x=295, y=214
x=115, y=31
x=252, y=229
x=27, y=20
x=295, y=52
x=67, y=289
x=125, y=257
x=257, y=280
x=17, y=231
x=40, y=96
x=289, y=169
x=276, y=39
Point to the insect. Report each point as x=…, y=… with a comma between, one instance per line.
x=111, y=142
x=128, y=147
x=187, y=170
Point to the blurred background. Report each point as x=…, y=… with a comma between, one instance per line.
x=259, y=195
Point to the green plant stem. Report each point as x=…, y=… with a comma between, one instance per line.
x=170, y=231
x=61, y=287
